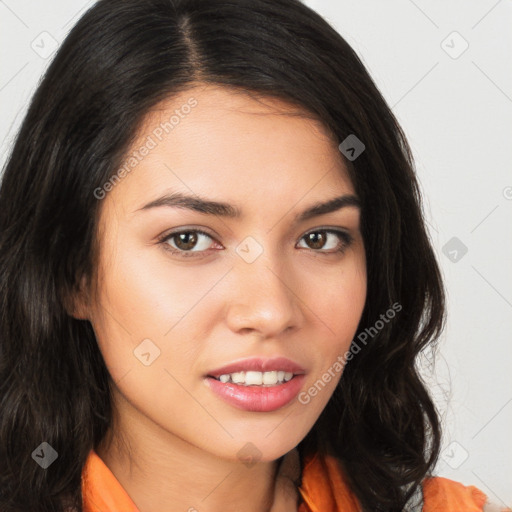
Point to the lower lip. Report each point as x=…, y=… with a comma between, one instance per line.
x=257, y=398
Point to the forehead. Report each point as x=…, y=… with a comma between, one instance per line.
x=230, y=144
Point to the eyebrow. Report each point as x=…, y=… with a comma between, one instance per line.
x=209, y=207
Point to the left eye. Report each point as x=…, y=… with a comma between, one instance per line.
x=312, y=237
x=185, y=241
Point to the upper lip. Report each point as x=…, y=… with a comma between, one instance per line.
x=259, y=364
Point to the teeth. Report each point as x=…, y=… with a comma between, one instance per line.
x=254, y=379
x=269, y=378
x=237, y=378
x=257, y=378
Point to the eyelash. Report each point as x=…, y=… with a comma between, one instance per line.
x=346, y=238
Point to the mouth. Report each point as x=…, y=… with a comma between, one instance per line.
x=258, y=385
x=252, y=370
x=253, y=378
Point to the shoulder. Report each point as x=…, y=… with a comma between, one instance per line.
x=443, y=494
x=324, y=483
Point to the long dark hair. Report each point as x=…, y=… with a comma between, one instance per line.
x=119, y=61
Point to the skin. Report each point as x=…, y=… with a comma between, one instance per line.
x=174, y=444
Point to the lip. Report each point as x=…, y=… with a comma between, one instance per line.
x=259, y=364
x=257, y=398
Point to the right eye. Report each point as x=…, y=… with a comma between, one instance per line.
x=185, y=240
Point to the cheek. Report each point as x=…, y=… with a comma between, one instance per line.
x=339, y=302
x=152, y=294
x=338, y=308
x=152, y=304
x=340, y=315
x=147, y=306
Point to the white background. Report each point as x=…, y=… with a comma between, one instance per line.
x=456, y=109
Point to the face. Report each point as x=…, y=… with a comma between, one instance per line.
x=183, y=292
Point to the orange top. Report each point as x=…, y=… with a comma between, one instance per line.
x=323, y=489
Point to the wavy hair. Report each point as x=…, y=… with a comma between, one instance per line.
x=118, y=62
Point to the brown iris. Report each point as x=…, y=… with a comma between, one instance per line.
x=318, y=237
x=189, y=240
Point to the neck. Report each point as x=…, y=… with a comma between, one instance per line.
x=177, y=476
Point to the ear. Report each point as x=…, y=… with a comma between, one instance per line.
x=76, y=302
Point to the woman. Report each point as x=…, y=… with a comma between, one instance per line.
x=216, y=276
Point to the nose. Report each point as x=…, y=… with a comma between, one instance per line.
x=264, y=298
